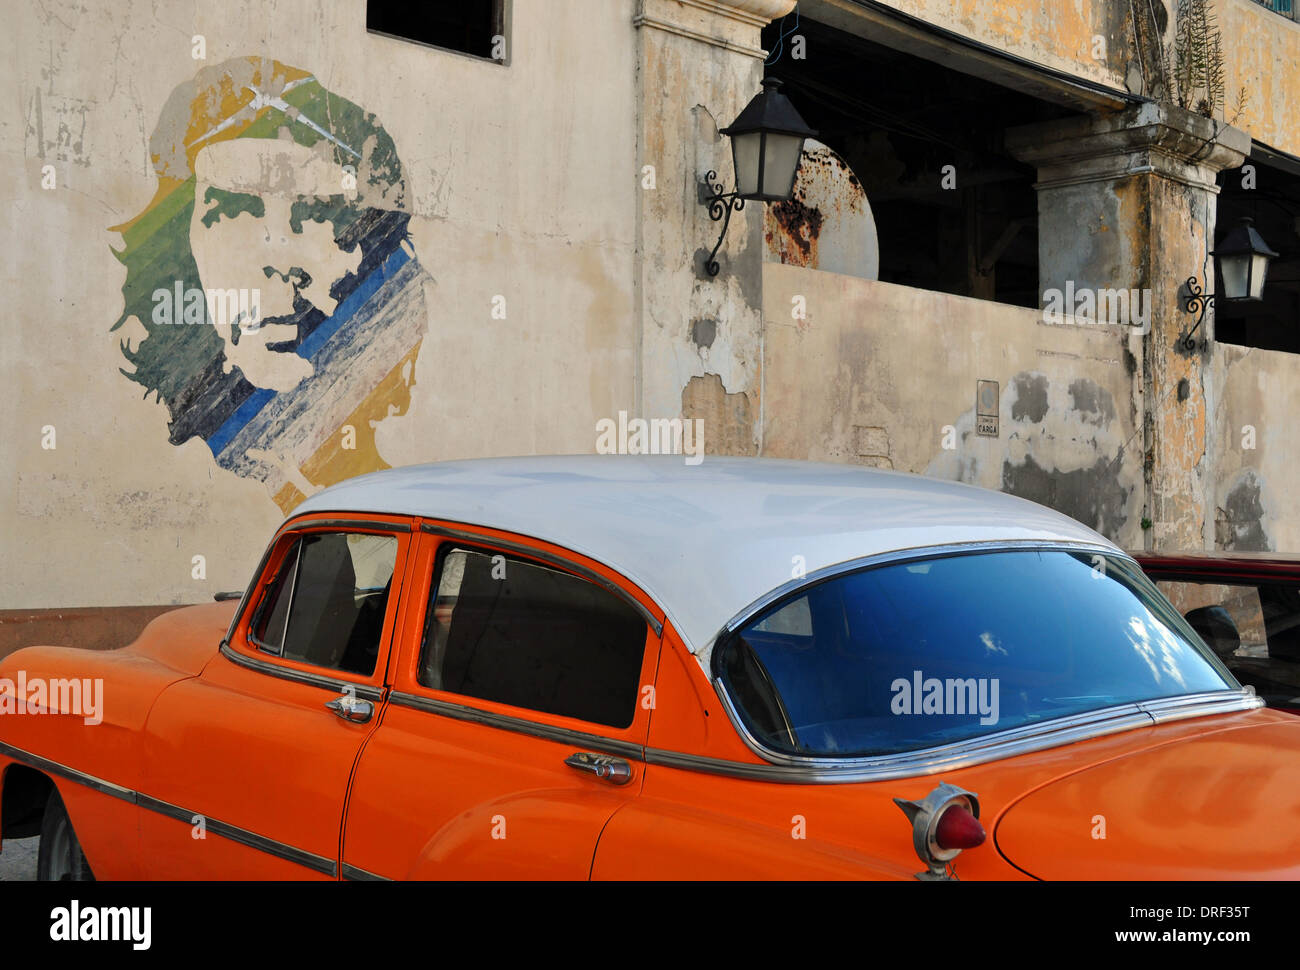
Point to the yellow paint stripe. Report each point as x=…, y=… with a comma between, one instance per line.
x=332, y=463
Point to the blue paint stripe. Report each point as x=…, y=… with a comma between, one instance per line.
x=261, y=397
x=353, y=302
x=243, y=414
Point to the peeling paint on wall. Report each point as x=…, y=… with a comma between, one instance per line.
x=1239, y=521
x=1029, y=398
x=1063, y=450
x=728, y=418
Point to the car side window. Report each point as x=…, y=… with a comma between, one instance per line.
x=505, y=629
x=326, y=605
x=1254, y=628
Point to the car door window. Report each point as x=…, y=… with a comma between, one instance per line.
x=1254, y=628
x=327, y=603
x=504, y=629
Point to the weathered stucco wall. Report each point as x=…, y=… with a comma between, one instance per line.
x=885, y=375
x=1261, y=51
x=1256, y=440
x=511, y=332
x=516, y=255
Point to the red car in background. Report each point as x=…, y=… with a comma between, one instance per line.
x=1246, y=606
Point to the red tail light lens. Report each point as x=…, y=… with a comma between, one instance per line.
x=958, y=829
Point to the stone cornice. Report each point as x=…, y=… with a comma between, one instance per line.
x=1150, y=138
x=730, y=24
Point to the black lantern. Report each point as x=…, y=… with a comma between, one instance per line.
x=1243, y=262
x=766, y=145
x=1243, y=258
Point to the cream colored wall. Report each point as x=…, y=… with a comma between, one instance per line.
x=882, y=374
x=1257, y=441
x=523, y=180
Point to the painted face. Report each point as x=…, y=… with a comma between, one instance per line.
x=265, y=233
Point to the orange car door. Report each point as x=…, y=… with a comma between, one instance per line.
x=247, y=765
x=517, y=720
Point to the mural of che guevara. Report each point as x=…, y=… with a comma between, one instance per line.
x=274, y=276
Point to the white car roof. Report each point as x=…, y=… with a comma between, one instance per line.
x=704, y=541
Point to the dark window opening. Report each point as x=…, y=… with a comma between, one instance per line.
x=1273, y=202
x=897, y=120
x=516, y=632
x=468, y=26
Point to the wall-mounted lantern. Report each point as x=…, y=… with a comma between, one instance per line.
x=1243, y=259
x=766, y=145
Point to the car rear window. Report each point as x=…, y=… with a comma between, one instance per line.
x=913, y=654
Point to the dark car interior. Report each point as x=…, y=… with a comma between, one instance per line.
x=1271, y=668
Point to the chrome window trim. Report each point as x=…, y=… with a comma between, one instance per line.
x=233, y=833
x=508, y=722
x=978, y=750
x=551, y=560
x=366, y=525
x=364, y=691
x=908, y=555
x=1024, y=739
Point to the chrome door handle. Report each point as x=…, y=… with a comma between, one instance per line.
x=616, y=771
x=352, y=708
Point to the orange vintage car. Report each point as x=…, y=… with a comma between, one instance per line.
x=634, y=668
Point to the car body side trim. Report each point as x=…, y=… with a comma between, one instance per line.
x=63, y=771
x=363, y=691
x=227, y=831
x=355, y=874
x=552, y=560
x=507, y=722
x=243, y=836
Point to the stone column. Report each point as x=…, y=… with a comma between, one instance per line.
x=698, y=63
x=1127, y=202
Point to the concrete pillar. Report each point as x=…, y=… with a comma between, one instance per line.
x=1127, y=202
x=700, y=337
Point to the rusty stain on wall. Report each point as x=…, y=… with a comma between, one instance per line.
x=827, y=224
